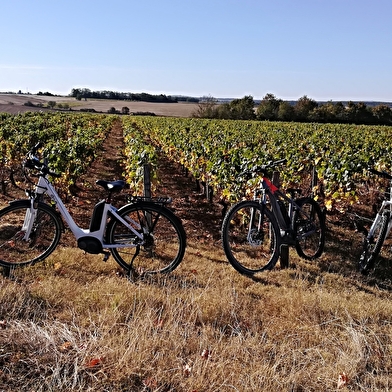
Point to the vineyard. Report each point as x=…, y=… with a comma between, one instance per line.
x=215, y=152
x=70, y=142
x=218, y=151
x=75, y=323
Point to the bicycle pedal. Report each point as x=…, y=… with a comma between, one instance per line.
x=106, y=256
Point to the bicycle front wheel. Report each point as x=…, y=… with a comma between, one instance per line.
x=373, y=243
x=15, y=249
x=250, y=237
x=162, y=246
x=309, y=226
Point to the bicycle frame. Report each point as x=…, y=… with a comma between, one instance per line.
x=44, y=186
x=386, y=204
x=268, y=189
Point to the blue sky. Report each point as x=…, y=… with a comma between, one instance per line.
x=325, y=49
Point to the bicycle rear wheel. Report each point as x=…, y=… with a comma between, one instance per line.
x=373, y=243
x=164, y=240
x=250, y=237
x=309, y=226
x=15, y=249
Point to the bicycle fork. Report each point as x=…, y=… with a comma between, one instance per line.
x=30, y=217
x=385, y=205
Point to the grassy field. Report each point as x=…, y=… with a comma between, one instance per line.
x=76, y=323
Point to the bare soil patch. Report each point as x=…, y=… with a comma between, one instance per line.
x=201, y=218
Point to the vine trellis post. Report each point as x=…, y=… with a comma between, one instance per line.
x=147, y=186
x=284, y=248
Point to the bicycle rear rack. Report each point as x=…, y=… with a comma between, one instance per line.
x=157, y=200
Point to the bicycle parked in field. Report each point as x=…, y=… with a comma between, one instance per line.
x=144, y=236
x=253, y=231
x=379, y=230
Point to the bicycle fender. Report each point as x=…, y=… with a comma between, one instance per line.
x=142, y=204
x=19, y=202
x=148, y=203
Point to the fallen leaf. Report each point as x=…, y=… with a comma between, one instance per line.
x=159, y=323
x=57, y=267
x=342, y=380
x=206, y=354
x=150, y=383
x=186, y=370
x=93, y=363
x=66, y=346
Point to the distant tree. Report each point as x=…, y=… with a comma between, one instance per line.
x=223, y=111
x=323, y=113
x=285, y=111
x=359, y=113
x=383, y=114
x=206, y=108
x=51, y=104
x=112, y=110
x=125, y=110
x=364, y=114
x=243, y=109
x=303, y=107
x=339, y=112
x=268, y=108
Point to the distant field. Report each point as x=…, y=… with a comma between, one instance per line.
x=15, y=103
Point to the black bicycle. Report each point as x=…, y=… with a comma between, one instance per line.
x=253, y=231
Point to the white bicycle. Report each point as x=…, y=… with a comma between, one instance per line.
x=144, y=236
x=379, y=230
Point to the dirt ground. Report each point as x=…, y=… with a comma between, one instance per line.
x=15, y=103
x=201, y=217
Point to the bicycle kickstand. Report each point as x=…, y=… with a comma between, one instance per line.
x=106, y=255
x=131, y=272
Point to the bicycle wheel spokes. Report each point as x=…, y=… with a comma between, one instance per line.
x=372, y=245
x=163, y=244
x=310, y=229
x=250, y=238
x=15, y=248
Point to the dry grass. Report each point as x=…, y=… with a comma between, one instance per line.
x=74, y=323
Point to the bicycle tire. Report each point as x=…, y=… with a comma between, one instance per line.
x=309, y=228
x=164, y=238
x=248, y=249
x=372, y=246
x=45, y=236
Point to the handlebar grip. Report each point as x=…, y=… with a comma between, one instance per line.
x=36, y=148
x=54, y=174
x=279, y=162
x=382, y=174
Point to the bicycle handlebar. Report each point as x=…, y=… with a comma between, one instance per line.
x=263, y=168
x=382, y=174
x=33, y=162
x=269, y=165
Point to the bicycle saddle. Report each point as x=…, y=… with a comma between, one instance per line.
x=111, y=186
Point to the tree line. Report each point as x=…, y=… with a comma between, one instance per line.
x=85, y=93
x=304, y=110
